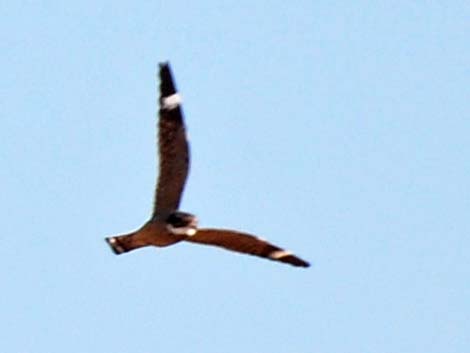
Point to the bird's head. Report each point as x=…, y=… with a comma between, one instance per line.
x=181, y=223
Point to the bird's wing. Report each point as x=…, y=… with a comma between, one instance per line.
x=173, y=146
x=246, y=244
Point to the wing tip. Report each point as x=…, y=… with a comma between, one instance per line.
x=288, y=257
x=164, y=65
x=167, y=86
x=295, y=261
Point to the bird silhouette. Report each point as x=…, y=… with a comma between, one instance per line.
x=168, y=225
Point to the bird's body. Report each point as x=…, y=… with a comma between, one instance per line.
x=168, y=225
x=151, y=233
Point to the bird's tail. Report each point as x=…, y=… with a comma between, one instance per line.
x=123, y=243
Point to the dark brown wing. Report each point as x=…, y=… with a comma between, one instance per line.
x=246, y=244
x=173, y=146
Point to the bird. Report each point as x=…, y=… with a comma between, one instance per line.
x=169, y=225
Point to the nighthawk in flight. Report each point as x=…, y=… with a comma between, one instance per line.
x=168, y=225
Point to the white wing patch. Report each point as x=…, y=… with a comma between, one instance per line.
x=171, y=102
x=279, y=254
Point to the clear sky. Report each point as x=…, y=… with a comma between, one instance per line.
x=338, y=129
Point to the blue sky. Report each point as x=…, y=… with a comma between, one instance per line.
x=339, y=130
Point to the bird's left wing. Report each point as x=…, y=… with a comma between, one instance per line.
x=173, y=146
x=246, y=244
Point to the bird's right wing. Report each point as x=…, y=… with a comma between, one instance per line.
x=173, y=146
x=246, y=244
